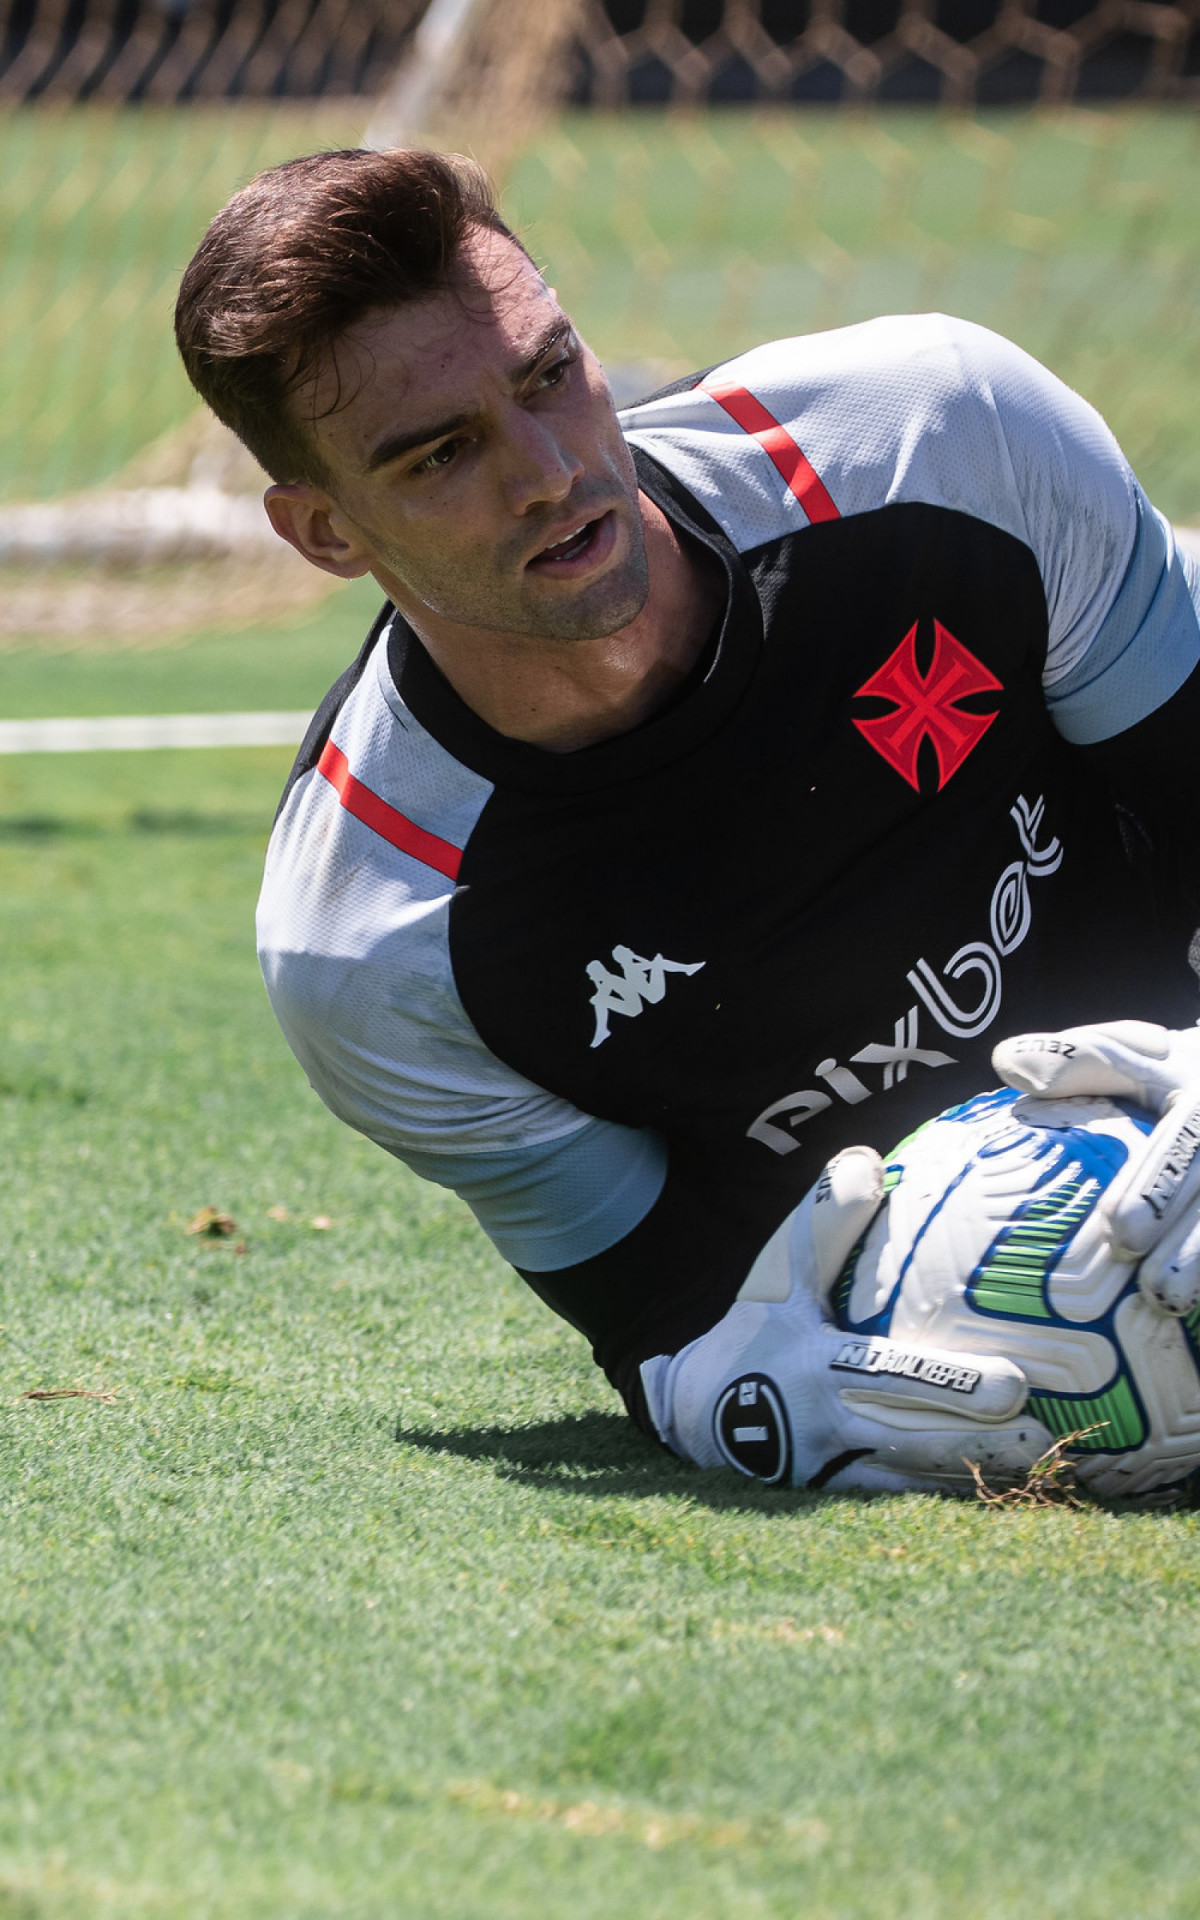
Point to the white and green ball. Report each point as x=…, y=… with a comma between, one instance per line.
x=990, y=1242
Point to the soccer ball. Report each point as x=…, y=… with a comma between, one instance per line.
x=989, y=1242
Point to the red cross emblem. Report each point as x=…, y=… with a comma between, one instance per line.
x=926, y=705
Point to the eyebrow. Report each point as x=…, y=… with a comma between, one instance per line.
x=396, y=444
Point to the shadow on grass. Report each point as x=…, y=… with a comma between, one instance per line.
x=41, y=1086
x=194, y=825
x=43, y=826
x=597, y=1453
x=604, y=1454
x=149, y=821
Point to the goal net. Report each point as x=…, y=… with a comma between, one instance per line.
x=697, y=174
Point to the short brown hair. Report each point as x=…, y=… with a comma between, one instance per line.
x=299, y=256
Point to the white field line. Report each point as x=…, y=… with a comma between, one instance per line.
x=135, y=732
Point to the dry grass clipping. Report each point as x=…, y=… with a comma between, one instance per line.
x=69, y=1393
x=211, y=1224
x=1050, y=1482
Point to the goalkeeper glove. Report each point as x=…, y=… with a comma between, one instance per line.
x=1151, y=1212
x=778, y=1391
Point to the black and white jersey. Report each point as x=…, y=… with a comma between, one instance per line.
x=796, y=908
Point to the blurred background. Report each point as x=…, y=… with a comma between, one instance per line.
x=697, y=175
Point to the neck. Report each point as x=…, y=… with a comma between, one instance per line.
x=566, y=695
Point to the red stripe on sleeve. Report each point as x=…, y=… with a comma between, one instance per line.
x=801, y=476
x=387, y=822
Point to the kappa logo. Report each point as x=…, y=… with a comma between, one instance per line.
x=925, y=706
x=640, y=983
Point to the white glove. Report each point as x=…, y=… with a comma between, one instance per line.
x=778, y=1391
x=1151, y=1212
x=1125, y=1059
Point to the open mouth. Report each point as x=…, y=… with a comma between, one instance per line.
x=572, y=546
x=580, y=549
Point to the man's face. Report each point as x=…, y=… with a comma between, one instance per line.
x=474, y=460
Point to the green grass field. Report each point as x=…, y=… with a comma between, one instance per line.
x=284, y=667
x=337, y=1585
x=352, y=1594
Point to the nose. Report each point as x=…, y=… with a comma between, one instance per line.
x=538, y=470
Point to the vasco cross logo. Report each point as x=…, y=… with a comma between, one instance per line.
x=926, y=705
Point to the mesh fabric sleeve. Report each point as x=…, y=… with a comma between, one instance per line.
x=1121, y=595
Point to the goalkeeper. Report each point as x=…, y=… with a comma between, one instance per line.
x=718, y=781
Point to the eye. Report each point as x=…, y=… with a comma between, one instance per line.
x=441, y=456
x=557, y=371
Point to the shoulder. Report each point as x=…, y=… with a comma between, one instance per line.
x=918, y=407
x=354, y=939
x=373, y=821
x=908, y=365
x=353, y=918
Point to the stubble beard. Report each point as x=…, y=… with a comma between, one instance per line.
x=525, y=606
x=615, y=603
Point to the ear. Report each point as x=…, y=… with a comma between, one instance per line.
x=311, y=522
